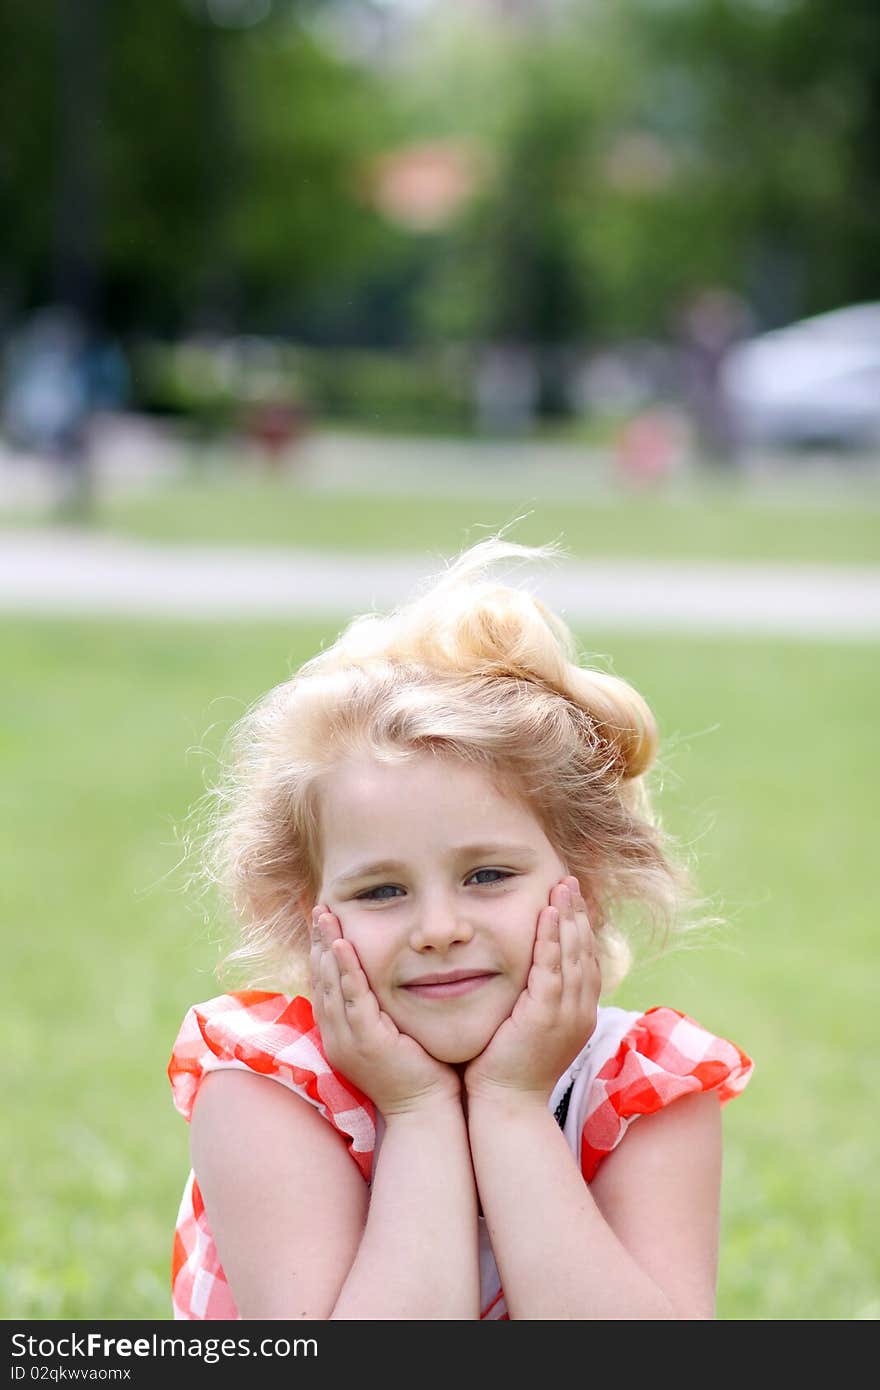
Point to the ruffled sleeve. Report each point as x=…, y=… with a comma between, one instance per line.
x=274, y=1036
x=663, y=1055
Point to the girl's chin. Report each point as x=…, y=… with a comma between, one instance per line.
x=455, y=1041
x=454, y=1058
x=455, y=1052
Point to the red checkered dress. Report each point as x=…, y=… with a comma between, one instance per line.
x=635, y=1064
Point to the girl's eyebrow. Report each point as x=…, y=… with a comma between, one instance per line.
x=385, y=866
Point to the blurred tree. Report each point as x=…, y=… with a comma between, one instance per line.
x=651, y=149
x=76, y=250
x=211, y=175
x=516, y=270
x=207, y=162
x=307, y=125
x=769, y=114
x=29, y=124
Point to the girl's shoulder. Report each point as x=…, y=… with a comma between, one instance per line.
x=271, y=1035
x=635, y=1064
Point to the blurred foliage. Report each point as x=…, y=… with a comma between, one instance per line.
x=631, y=154
x=218, y=386
x=648, y=149
x=772, y=111
x=422, y=390
x=225, y=162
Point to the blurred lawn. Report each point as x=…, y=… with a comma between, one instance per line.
x=765, y=776
x=707, y=521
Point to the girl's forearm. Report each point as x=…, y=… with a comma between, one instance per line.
x=557, y=1256
x=418, y=1257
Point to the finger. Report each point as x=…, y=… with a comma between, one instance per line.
x=546, y=924
x=570, y=942
x=546, y=945
x=545, y=983
x=590, y=945
x=353, y=983
x=370, y=1029
x=546, y=950
x=582, y=917
x=583, y=939
x=588, y=974
x=324, y=927
x=330, y=991
x=331, y=929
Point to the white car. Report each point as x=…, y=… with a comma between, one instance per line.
x=816, y=382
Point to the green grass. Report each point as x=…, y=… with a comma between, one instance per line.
x=704, y=522
x=765, y=778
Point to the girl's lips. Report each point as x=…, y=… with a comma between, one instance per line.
x=450, y=989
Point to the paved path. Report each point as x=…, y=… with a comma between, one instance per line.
x=77, y=573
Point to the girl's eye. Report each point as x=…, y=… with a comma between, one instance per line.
x=370, y=895
x=384, y=890
x=502, y=874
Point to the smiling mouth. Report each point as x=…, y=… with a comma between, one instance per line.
x=448, y=986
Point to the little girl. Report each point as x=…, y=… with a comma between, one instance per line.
x=439, y=819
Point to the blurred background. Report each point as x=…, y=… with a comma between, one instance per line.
x=298, y=296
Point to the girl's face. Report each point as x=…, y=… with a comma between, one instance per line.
x=437, y=878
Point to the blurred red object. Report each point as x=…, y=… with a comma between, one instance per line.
x=276, y=426
x=649, y=448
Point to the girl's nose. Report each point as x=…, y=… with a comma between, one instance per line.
x=439, y=925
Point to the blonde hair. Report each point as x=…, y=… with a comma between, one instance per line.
x=469, y=669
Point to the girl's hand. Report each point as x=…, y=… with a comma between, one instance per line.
x=359, y=1039
x=556, y=1014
